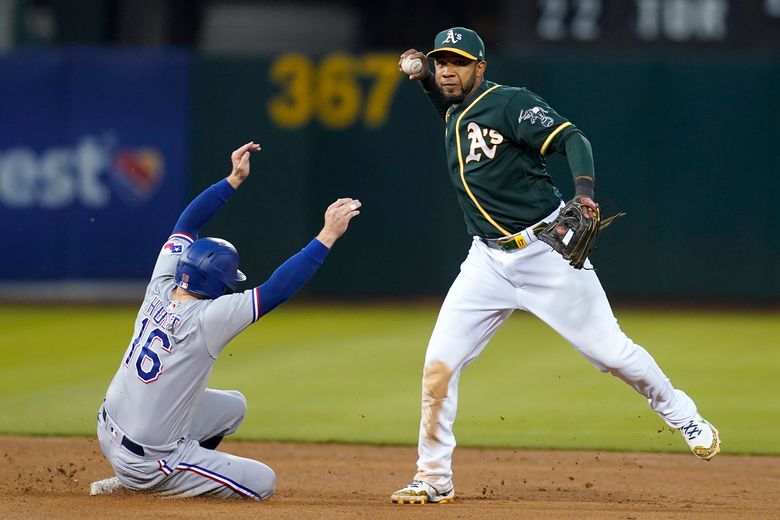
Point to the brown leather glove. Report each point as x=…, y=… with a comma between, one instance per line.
x=572, y=233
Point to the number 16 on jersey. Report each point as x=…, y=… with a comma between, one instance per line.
x=148, y=366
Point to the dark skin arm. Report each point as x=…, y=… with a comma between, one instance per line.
x=427, y=81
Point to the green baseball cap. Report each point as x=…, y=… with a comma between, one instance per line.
x=460, y=41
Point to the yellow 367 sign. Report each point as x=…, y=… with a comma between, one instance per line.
x=339, y=91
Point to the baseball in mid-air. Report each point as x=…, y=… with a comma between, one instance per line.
x=411, y=66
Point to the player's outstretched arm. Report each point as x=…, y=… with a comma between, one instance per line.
x=579, y=154
x=298, y=269
x=413, y=54
x=206, y=205
x=240, y=160
x=337, y=218
x=426, y=79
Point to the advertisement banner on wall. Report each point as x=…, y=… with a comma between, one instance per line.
x=93, y=161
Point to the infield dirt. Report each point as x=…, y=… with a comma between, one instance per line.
x=50, y=478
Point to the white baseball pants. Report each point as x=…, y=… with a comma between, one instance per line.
x=491, y=285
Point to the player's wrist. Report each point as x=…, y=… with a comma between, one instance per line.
x=327, y=238
x=234, y=180
x=583, y=187
x=317, y=250
x=427, y=82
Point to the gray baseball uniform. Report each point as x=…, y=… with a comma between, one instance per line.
x=158, y=408
x=158, y=424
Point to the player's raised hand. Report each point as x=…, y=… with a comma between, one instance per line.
x=337, y=218
x=240, y=160
x=413, y=54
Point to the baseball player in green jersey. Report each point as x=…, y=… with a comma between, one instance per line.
x=496, y=141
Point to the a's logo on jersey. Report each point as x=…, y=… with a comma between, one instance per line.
x=536, y=114
x=479, y=145
x=171, y=248
x=453, y=37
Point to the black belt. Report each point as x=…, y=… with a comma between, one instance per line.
x=127, y=443
x=516, y=241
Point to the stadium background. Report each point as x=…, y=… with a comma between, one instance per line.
x=116, y=112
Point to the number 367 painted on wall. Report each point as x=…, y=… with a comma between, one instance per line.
x=339, y=91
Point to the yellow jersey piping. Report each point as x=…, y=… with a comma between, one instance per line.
x=551, y=136
x=463, y=169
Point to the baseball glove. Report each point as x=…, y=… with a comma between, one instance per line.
x=572, y=233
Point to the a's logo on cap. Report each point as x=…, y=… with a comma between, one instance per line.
x=185, y=281
x=453, y=37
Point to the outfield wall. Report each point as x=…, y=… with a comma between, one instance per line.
x=687, y=147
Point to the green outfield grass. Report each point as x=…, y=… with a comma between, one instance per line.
x=352, y=374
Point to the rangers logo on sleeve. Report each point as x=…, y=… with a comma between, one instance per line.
x=172, y=248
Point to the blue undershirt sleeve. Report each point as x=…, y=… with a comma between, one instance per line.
x=203, y=208
x=291, y=276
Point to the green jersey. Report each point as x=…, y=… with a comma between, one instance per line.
x=495, y=142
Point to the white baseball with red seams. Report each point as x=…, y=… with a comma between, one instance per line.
x=411, y=66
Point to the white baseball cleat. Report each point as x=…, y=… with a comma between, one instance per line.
x=702, y=438
x=419, y=492
x=107, y=486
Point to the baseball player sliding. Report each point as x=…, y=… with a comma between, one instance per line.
x=496, y=140
x=159, y=424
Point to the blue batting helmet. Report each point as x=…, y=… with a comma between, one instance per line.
x=209, y=267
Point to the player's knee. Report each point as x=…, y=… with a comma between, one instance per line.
x=234, y=411
x=612, y=353
x=238, y=397
x=625, y=361
x=436, y=380
x=237, y=404
x=241, y=403
x=271, y=482
x=264, y=481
